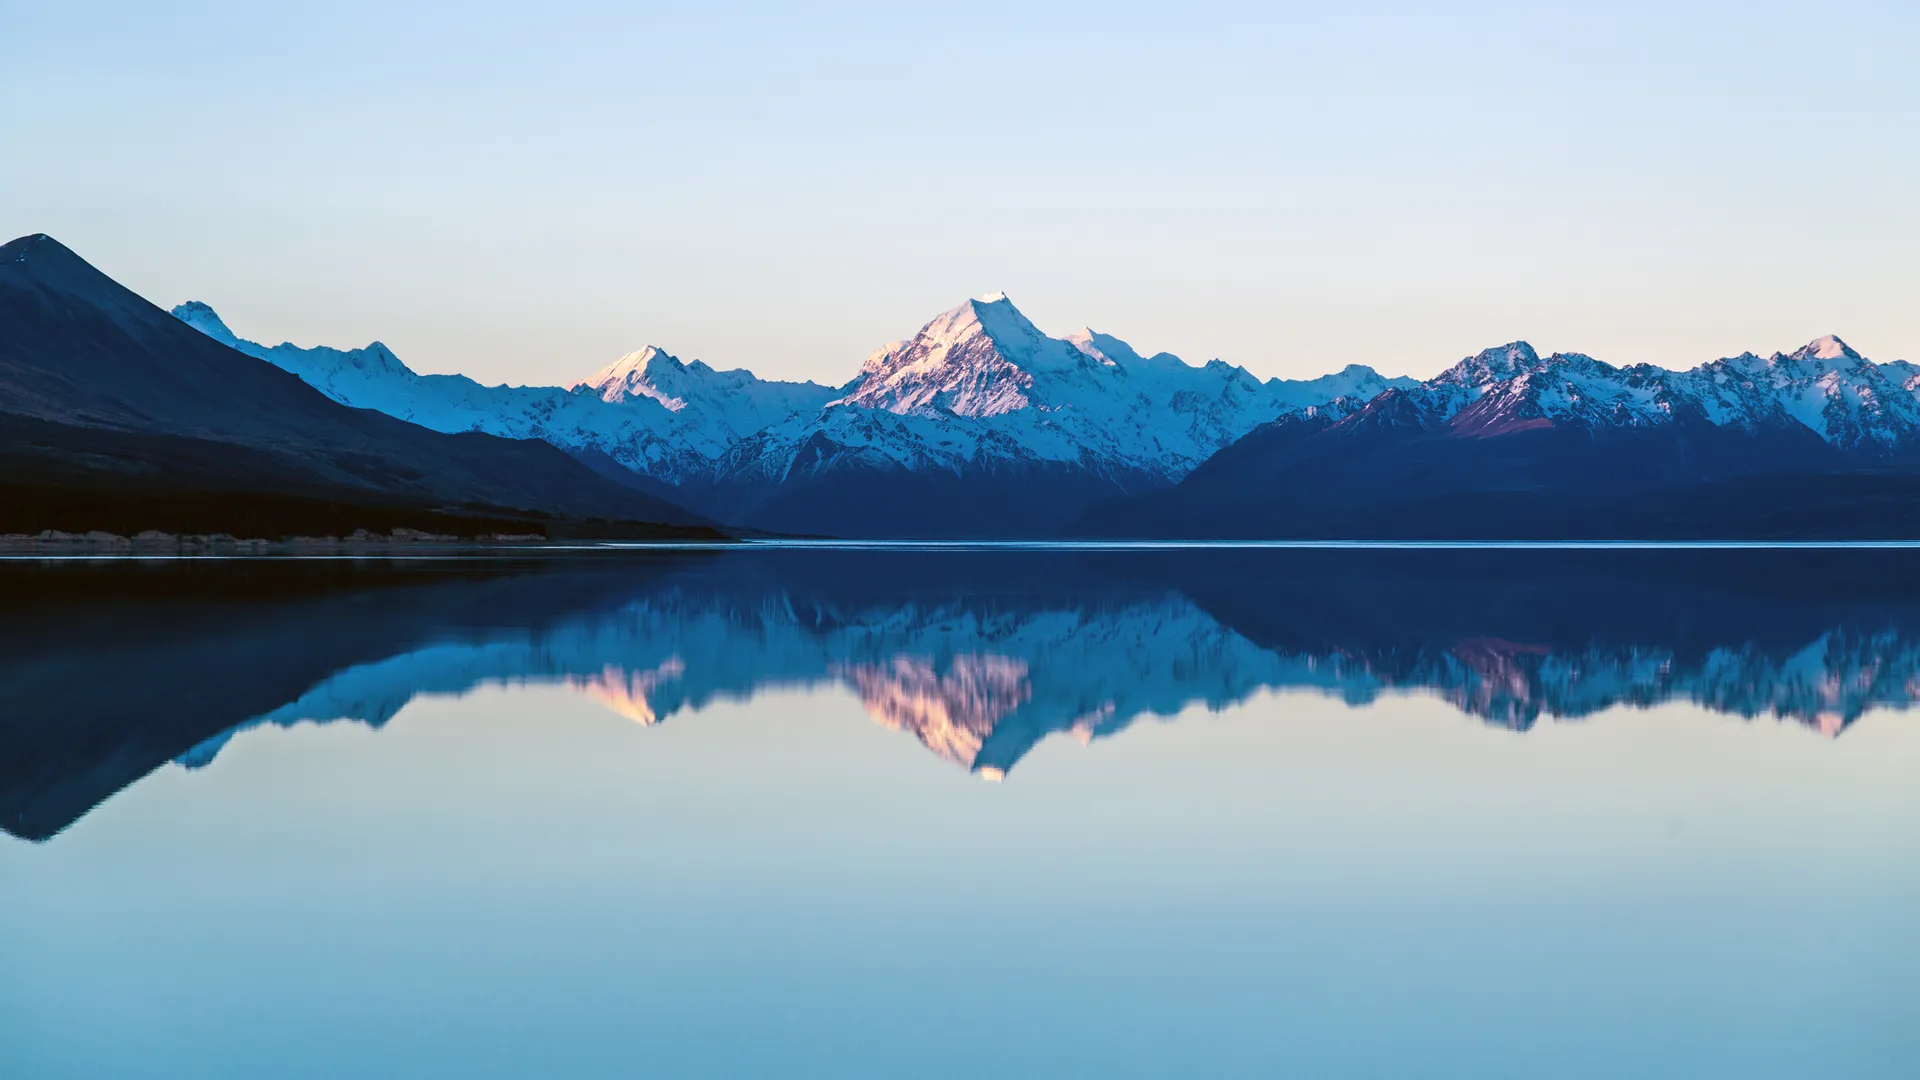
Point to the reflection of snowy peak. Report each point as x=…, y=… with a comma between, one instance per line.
x=980, y=684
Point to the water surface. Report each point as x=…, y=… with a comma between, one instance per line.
x=945, y=813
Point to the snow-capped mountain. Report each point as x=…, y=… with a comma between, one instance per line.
x=949, y=422
x=980, y=424
x=1825, y=387
x=979, y=399
x=1017, y=394
x=713, y=408
x=115, y=416
x=648, y=411
x=1508, y=444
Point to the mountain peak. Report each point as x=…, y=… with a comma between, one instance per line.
x=994, y=315
x=1493, y=365
x=978, y=359
x=987, y=323
x=45, y=265
x=202, y=317
x=47, y=255
x=22, y=248
x=1828, y=347
x=1103, y=347
x=48, y=260
x=637, y=374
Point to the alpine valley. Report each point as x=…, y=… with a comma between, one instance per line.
x=979, y=425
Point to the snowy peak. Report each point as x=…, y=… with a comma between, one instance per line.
x=977, y=360
x=316, y=365
x=1103, y=347
x=716, y=406
x=1825, y=386
x=1355, y=381
x=1829, y=347
x=994, y=389
x=1492, y=365
x=992, y=318
x=204, y=319
x=637, y=374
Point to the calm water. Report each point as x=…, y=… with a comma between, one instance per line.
x=939, y=813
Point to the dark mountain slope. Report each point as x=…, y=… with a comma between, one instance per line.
x=103, y=392
x=1380, y=475
x=996, y=501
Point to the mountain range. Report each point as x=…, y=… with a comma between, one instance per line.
x=979, y=425
x=982, y=425
x=115, y=416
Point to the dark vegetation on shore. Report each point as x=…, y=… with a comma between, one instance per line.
x=27, y=509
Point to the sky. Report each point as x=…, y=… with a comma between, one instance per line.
x=525, y=192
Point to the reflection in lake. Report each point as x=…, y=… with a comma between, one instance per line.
x=1390, y=753
x=978, y=655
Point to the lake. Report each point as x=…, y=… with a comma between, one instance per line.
x=894, y=812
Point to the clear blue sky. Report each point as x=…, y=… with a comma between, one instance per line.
x=525, y=192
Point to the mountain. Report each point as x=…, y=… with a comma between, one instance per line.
x=978, y=425
x=1507, y=444
x=977, y=655
x=648, y=411
x=115, y=415
x=982, y=425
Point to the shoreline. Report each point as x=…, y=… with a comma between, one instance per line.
x=54, y=542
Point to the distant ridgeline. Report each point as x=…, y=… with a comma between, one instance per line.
x=117, y=418
x=980, y=425
x=114, y=416
x=978, y=655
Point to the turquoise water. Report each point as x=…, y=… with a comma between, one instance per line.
x=940, y=813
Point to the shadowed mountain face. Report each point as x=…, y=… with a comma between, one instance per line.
x=103, y=395
x=978, y=655
x=1816, y=444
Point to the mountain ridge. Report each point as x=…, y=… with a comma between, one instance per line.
x=1508, y=444
x=982, y=425
x=979, y=399
x=105, y=398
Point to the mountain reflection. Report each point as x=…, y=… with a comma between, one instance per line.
x=978, y=655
